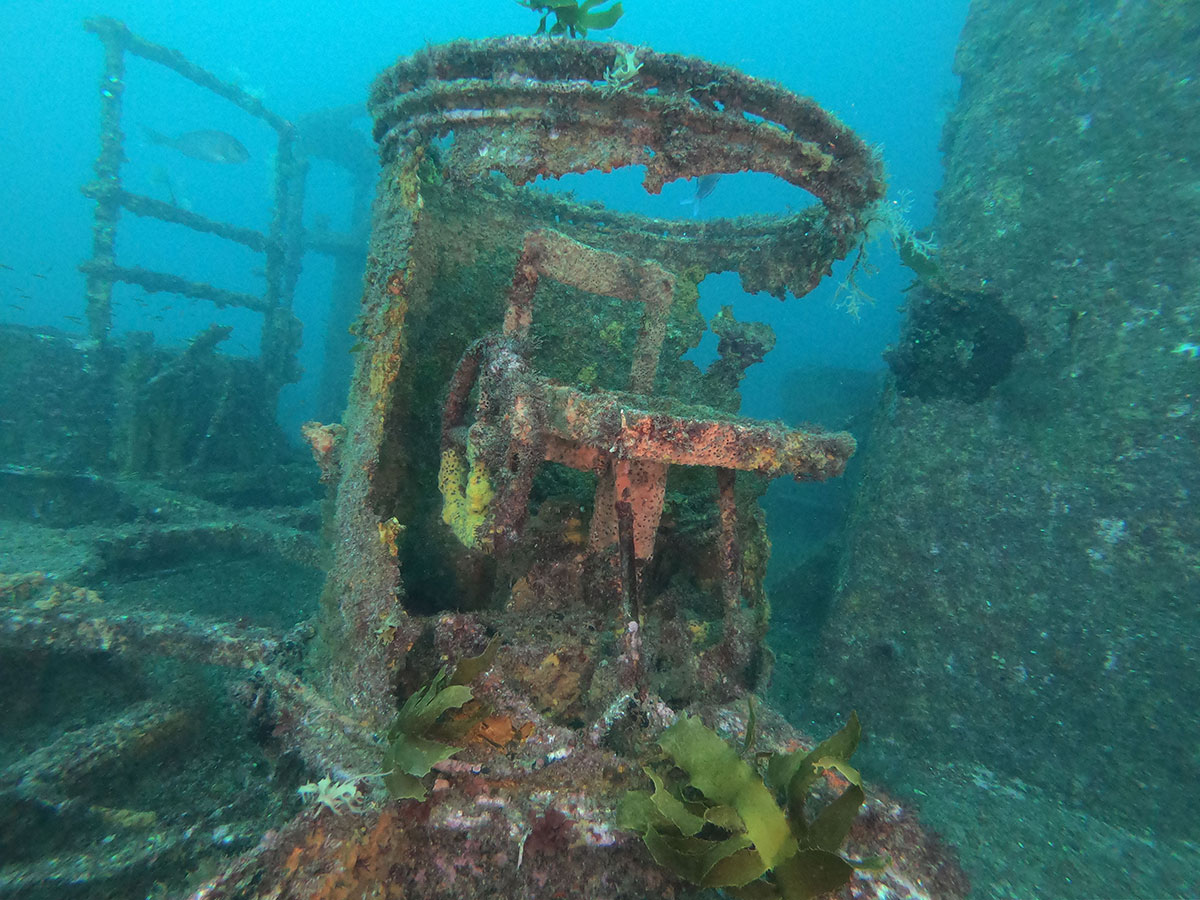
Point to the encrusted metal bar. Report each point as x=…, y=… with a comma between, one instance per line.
x=162, y=281
x=108, y=174
x=731, y=553
x=487, y=85
x=141, y=205
x=68, y=764
x=624, y=426
x=281, y=330
x=117, y=35
x=81, y=629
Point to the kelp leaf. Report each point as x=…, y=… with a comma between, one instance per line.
x=402, y=786
x=715, y=769
x=751, y=725
x=833, y=823
x=636, y=812
x=725, y=817
x=606, y=18
x=811, y=873
x=426, y=706
x=735, y=869
x=755, y=890
x=417, y=756
x=673, y=809
x=686, y=856
x=786, y=766
x=409, y=755
x=472, y=667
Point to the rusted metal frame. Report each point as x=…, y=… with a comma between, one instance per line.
x=684, y=79
x=631, y=603
x=687, y=77
x=642, y=485
x=637, y=487
x=734, y=234
x=518, y=314
x=634, y=432
x=155, y=282
x=141, y=205
x=454, y=413
x=657, y=292
x=716, y=245
x=450, y=106
x=731, y=551
x=577, y=265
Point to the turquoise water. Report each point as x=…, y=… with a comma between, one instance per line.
x=1003, y=584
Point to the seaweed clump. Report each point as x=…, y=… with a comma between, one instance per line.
x=412, y=751
x=718, y=822
x=572, y=17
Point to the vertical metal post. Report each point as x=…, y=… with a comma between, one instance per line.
x=281, y=330
x=108, y=179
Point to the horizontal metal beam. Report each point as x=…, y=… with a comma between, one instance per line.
x=117, y=34
x=148, y=207
x=161, y=281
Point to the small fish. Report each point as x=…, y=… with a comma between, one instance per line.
x=74, y=319
x=704, y=186
x=39, y=275
x=208, y=145
x=6, y=266
x=14, y=306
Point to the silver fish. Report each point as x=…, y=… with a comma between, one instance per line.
x=208, y=145
x=704, y=186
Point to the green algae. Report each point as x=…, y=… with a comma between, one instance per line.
x=572, y=17
x=714, y=820
x=411, y=754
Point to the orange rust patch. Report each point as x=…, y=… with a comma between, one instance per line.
x=293, y=860
x=496, y=730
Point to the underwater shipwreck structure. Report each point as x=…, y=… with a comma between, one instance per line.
x=542, y=538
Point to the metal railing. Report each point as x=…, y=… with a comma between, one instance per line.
x=282, y=244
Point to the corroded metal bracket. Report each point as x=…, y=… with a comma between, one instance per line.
x=629, y=440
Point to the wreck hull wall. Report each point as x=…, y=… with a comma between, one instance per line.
x=1020, y=582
